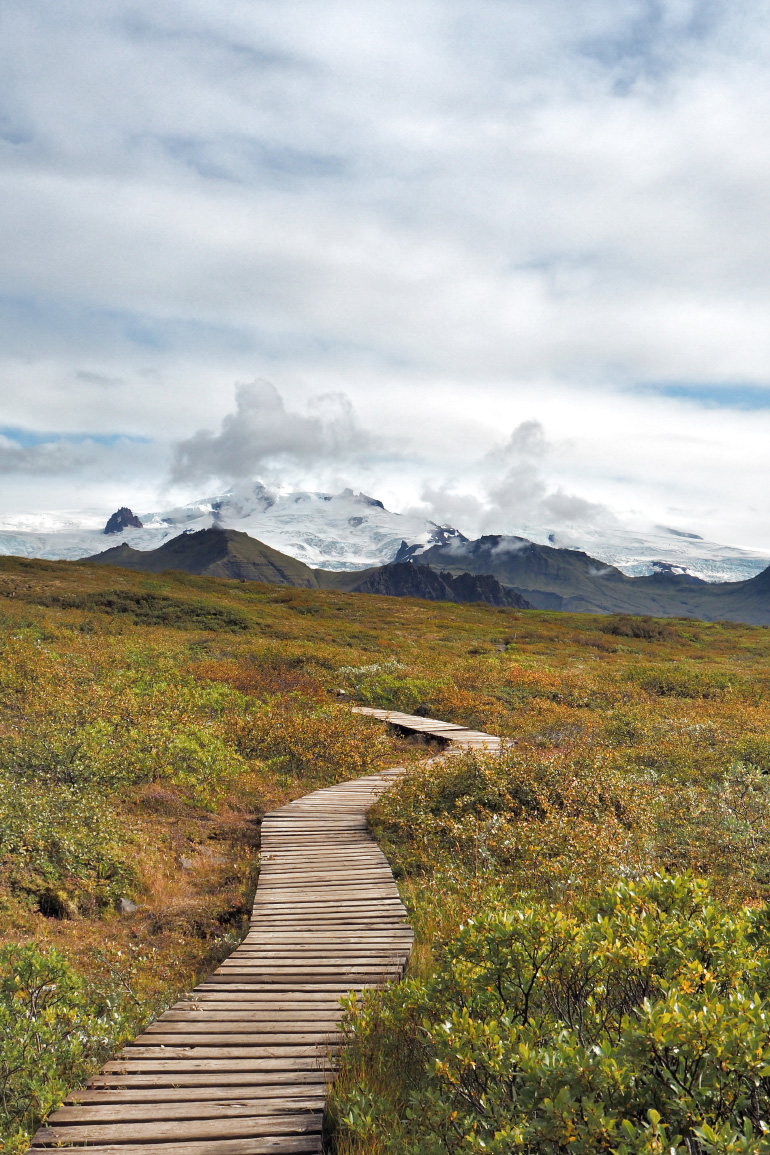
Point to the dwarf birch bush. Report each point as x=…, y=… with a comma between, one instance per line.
x=638, y=1023
x=53, y=1032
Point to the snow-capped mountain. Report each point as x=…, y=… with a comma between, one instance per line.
x=642, y=551
x=342, y=531
x=350, y=531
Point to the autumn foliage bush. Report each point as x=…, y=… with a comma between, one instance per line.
x=574, y=987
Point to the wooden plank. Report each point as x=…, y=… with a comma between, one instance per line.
x=186, y=1058
x=195, y=1129
x=184, y=1061
x=109, y=1111
x=265, y=1145
x=157, y=1098
x=292, y=1079
x=179, y=1036
x=269, y=1014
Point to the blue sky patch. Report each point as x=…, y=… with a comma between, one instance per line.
x=717, y=396
x=28, y=438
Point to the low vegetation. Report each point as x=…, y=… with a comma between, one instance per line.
x=592, y=965
x=145, y=726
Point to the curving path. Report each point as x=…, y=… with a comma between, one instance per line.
x=457, y=738
x=241, y=1064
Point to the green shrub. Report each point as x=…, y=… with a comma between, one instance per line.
x=62, y=850
x=383, y=685
x=53, y=1033
x=638, y=1024
x=649, y=629
x=305, y=738
x=679, y=680
x=148, y=609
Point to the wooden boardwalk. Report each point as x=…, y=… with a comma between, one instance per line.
x=456, y=738
x=240, y=1066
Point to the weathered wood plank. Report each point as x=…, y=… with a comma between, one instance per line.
x=158, y=1098
x=265, y=1145
x=195, y=1129
x=113, y=1111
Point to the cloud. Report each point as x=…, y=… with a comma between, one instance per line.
x=513, y=491
x=457, y=214
x=48, y=458
x=25, y=452
x=262, y=436
x=520, y=494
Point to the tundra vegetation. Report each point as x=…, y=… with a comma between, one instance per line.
x=592, y=969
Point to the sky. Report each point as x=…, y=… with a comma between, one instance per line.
x=502, y=261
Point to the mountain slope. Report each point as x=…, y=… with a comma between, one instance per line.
x=570, y=580
x=404, y=580
x=227, y=553
x=222, y=553
x=640, y=551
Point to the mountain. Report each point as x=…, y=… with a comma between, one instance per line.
x=352, y=531
x=640, y=551
x=559, y=579
x=342, y=531
x=224, y=553
x=123, y=518
x=228, y=553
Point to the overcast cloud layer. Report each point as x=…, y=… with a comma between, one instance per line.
x=493, y=255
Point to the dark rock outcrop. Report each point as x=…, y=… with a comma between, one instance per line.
x=123, y=518
x=405, y=580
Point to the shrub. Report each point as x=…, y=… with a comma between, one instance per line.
x=308, y=739
x=553, y=822
x=650, y=629
x=62, y=850
x=638, y=1024
x=53, y=1033
x=148, y=609
x=384, y=685
x=678, y=680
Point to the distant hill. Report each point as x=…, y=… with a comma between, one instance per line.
x=565, y=579
x=225, y=553
x=228, y=553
